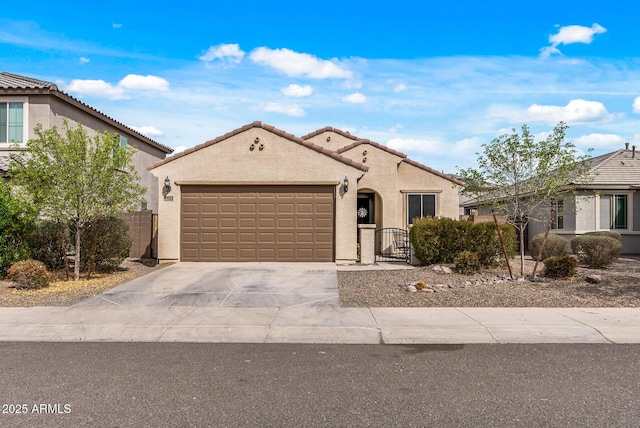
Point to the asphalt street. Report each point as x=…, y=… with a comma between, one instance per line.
x=162, y=384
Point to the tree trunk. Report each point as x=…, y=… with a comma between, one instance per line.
x=521, y=230
x=94, y=244
x=64, y=250
x=544, y=240
x=76, y=266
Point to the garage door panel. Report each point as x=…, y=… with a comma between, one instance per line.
x=257, y=223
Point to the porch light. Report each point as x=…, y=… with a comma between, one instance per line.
x=167, y=185
x=345, y=184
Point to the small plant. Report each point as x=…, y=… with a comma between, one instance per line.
x=560, y=266
x=554, y=246
x=357, y=253
x=467, y=263
x=30, y=274
x=596, y=251
x=420, y=285
x=112, y=246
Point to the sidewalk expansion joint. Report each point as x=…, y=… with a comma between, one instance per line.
x=590, y=326
x=495, y=339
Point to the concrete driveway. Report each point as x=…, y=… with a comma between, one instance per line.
x=229, y=284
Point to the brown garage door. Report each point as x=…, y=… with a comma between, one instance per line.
x=257, y=223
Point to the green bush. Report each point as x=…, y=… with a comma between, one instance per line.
x=16, y=228
x=113, y=245
x=30, y=274
x=596, y=251
x=609, y=233
x=467, y=263
x=554, y=246
x=47, y=245
x=560, y=266
x=441, y=240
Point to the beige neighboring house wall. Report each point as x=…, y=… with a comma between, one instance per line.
x=45, y=105
x=284, y=160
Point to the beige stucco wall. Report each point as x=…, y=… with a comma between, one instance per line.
x=281, y=162
x=380, y=178
x=412, y=179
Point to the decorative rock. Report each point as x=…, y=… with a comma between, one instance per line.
x=593, y=279
x=442, y=269
x=412, y=289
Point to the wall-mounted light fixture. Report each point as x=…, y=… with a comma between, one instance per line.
x=167, y=186
x=345, y=184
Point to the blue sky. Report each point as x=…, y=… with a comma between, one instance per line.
x=430, y=79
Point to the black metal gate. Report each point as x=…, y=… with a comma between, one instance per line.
x=392, y=245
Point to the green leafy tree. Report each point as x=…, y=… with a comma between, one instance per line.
x=521, y=178
x=16, y=227
x=74, y=177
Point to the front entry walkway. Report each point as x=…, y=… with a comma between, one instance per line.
x=252, y=284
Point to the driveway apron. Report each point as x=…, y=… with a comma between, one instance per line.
x=253, y=284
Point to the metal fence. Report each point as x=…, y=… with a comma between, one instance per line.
x=392, y=245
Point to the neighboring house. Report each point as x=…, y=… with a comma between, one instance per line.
x=260, y=194
x=610, y=201
x=26, y=102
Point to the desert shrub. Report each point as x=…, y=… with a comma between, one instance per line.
x=16, y=228
x=440, y=240
x=47, y=246
x=555, y=245
x=560, y=266
x=596, y=251
x=486, y=243
x=609, y=233
x=113, y=245
x=30, y=274
x=467, y=263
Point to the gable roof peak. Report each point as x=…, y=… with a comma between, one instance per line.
x=346, y=134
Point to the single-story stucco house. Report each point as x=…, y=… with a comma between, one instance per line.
x=258, y=193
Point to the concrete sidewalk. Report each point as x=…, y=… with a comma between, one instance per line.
x=321, y=325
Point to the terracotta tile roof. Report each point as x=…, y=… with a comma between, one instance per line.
x=374, y=144
x=329, y=129
x=16, y=84
x=272, y=129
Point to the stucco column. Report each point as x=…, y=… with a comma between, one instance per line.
x=367, y=243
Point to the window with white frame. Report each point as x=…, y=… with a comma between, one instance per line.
x=420, y=205
x=11, y=122
x=614, y=211
x=558, y=215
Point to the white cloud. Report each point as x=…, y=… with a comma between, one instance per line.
x=151, y=83
x=84, y=60
x=228, y=52
x=396, y=127
x=571, y=34
x=297, y=90
x=289, y=110
x=148, y=130
x=636, y=105
x=600, y=141
x=98, y=88
x=114, y=25
x=355, y=98
x=352, y=84
x=575, y=111
x=401, y=87
x=409, y=145
x=299, y=64
x=179, y=149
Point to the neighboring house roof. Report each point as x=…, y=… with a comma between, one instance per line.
x=272, y=129
x=16, y=84
x=620, y=168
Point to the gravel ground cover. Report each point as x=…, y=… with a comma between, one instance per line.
x=67, y=293
x=620, y=287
